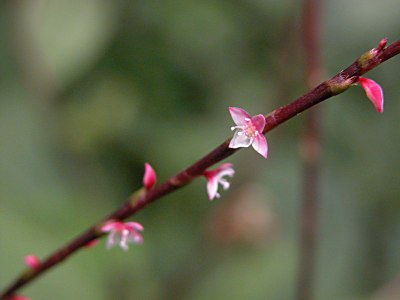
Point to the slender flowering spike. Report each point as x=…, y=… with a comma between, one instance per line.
x=123, y=233
x=215, y=177
x=249, y=131
x=149, y=178
x=32, y=261
x=374, y=92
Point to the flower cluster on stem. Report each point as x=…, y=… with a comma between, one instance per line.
x=249, y=131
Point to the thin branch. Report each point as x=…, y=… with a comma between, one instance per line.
x=311, y=148
x=334, y=86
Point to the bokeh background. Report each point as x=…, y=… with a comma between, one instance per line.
x=90, y=90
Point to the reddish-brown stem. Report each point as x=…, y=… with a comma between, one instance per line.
x=138, y=201
x=311, y=145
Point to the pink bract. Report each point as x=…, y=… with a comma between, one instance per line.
x=374, y=92
x=249, y=131
x=215, y=177
x=149, y=178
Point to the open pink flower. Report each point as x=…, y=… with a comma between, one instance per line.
x=249, y=131
x=149, y=178
x=123, y=233
x=374, y=92
x=32, y=261
x=216, y=177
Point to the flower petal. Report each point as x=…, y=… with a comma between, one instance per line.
x=225, y=184
x=135, y=237
x=224, y=166
x=225, y=172
x=149, y=178
x=258, y=122
x=374, y=92
x=240, y=140
x=111, y=225
x=134, y=226
x=212, y=188
x=260, y=145
x=123, y=243
x=239, y=115
x=113, y=239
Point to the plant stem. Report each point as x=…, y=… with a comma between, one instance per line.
x=311, y=148
x=141, y=199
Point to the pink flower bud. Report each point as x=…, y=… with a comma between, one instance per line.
x=91, y=244
x=32, y=261
x=380, y=48
x=382, y=44
x=374, y=92
x=149, y=178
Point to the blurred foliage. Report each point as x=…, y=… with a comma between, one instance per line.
x=90, y=90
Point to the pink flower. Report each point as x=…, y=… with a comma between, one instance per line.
x=249, y=131
x=32, y=261
x=122, y=233
x=149, y=178
x=215, y=177
x=374, y=92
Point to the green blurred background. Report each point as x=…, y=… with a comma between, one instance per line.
x=90, y=90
